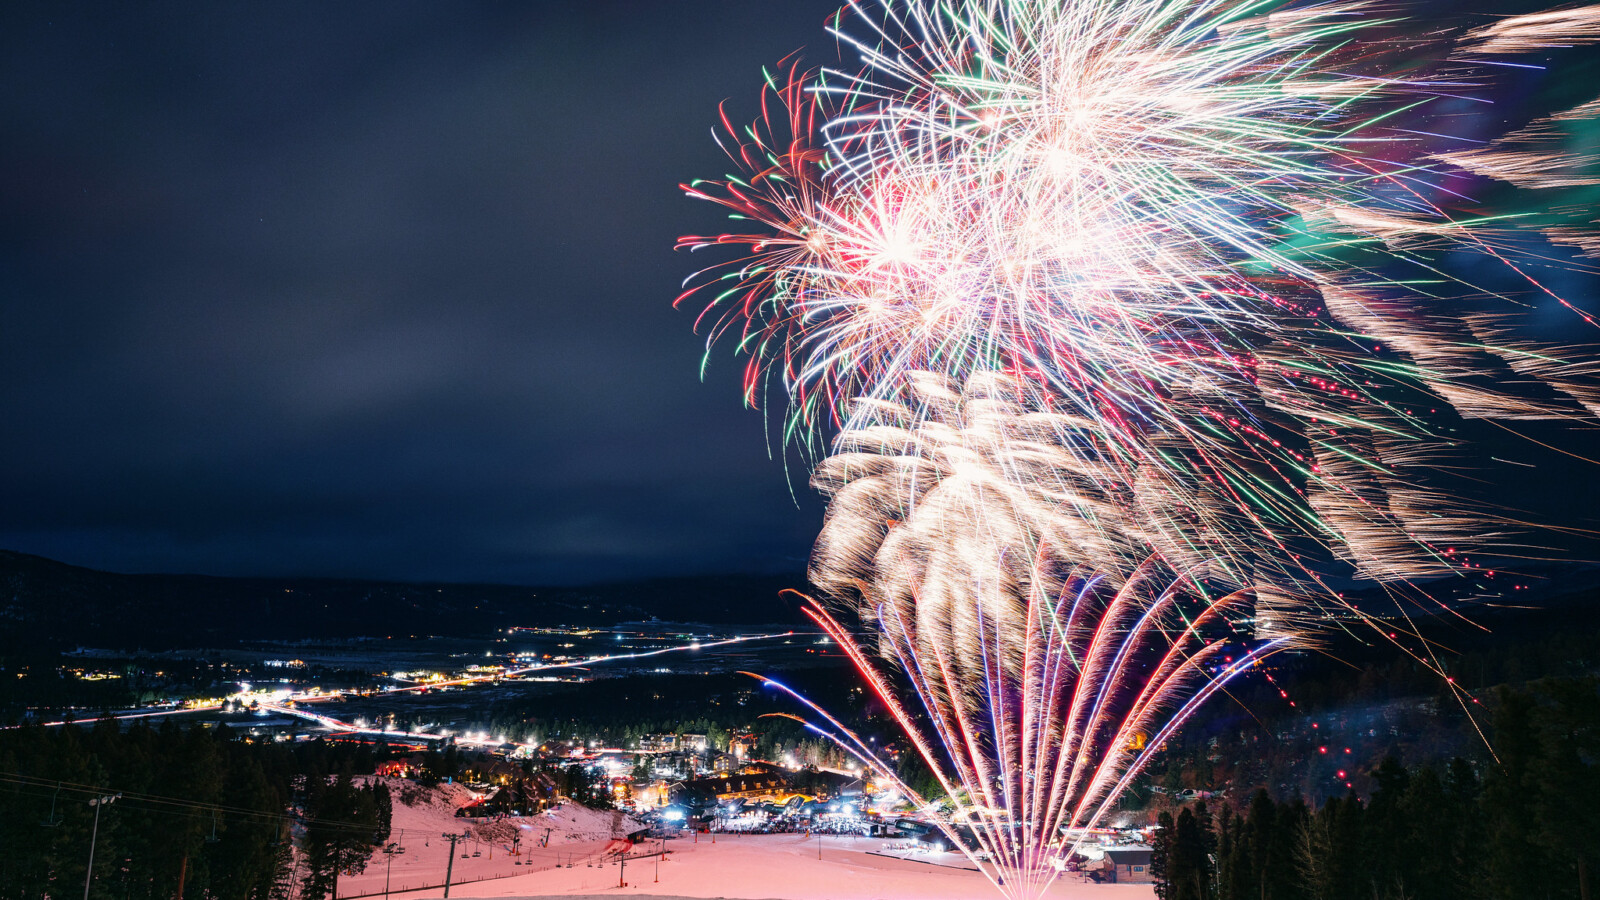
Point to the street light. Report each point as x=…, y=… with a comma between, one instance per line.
x=97, y=803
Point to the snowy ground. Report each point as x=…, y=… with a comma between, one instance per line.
x=423, y=815
x=738, y=867
x=779, y=867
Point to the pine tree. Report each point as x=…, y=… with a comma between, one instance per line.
x=343, y=820
x=1387, y=830
x=1568, y=778
x=1346, y=840
x=1189, y=871
x=1260, y=827
x=1426, y=862
x=1161, y=846
x=1208, y=840
x=1239, y=881
x=1314, y=852
x=1225, y=842
x=383, y=807
x=1279, y=874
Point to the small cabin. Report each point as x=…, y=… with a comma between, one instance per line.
x=1130, y=866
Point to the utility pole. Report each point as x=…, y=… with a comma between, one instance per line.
x=623, y=871
x=97, y=803
x=450, y=866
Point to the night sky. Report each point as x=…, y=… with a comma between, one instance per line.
x=385, y=291
x=377, y=290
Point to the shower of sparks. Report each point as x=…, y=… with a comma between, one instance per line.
x=1083, y=286
x=1034, y=721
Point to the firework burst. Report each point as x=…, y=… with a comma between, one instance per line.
x=1087, y=291
x=1198, y=227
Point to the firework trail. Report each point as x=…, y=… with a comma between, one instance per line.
x=1154, y=292
x=1035, y=720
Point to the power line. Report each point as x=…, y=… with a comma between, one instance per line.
x=199, y=807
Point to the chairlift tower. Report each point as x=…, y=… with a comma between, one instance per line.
x=98, y=803
x=450, y=866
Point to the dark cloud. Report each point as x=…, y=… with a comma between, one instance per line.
x=377, y=290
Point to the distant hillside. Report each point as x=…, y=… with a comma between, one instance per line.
x=46, y=604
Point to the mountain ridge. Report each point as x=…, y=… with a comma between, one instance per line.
x=48, y=604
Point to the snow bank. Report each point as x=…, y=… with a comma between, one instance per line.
x=489, y=849
x=437, y=802
x=580, y=823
